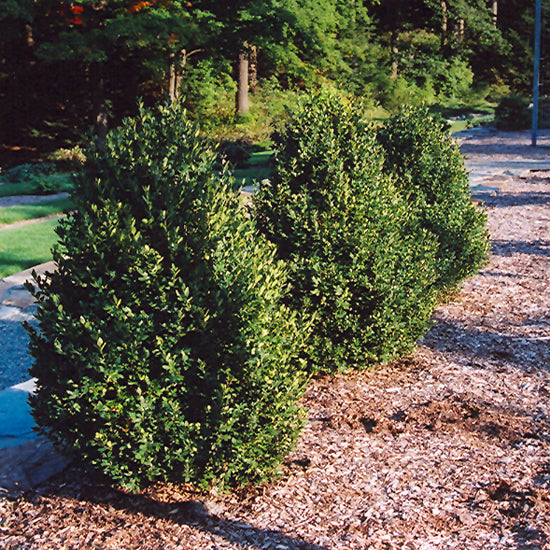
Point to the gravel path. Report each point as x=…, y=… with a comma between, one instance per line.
x=14, y=357
x=16, y=306
x=19, y=200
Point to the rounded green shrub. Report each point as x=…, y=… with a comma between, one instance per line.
x=163, y=351
x=513, y=113
x=430, y=174
x=361, y=268
x=26, y=172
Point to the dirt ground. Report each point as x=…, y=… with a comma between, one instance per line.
x=449, y=448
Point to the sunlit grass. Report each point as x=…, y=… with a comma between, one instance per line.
x=26, y=246
x=258, y=168
x=247, y=176
x=14, y=214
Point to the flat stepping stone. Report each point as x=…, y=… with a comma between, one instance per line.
x=26, y=459
x=14, y=284
x=16, y=422
x=17, y=296
x=26, y=466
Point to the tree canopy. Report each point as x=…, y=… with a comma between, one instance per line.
x=67, y=62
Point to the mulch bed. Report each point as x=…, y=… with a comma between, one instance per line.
x=449, y=448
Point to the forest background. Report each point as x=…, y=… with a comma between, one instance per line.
x=65, y=67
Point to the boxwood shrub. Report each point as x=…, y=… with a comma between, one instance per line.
x=513, y=113
x=362, y=269
x=163, y=351
x=430, y=174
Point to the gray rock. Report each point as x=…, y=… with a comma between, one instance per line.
x=26, y=466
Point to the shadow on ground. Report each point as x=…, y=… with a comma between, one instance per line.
x=510, y=200
x=508, y=248
x=135, y=515
x=484, y=346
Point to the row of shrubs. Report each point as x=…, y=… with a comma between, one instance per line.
x=180, y=328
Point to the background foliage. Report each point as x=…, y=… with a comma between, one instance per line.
x=53, y=54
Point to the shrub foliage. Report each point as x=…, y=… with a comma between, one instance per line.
x=361, y=268
x=430, y=174
x=163, y=352
x=513, y=113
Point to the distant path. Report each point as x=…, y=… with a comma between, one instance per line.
x=495, y=158
x=20, y=200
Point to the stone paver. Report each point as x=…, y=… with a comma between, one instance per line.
x=27, y=465
x=26, y=459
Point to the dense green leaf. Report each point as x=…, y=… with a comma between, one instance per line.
x=164, y=351
x=431, y=174
x=362, y=269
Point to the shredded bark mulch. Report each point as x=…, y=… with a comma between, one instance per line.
x=449, y=448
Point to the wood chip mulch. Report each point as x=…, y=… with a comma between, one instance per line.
x=449, y=448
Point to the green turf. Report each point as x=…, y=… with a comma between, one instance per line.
x=257, y=168
x=14, y=214
x=247, y=176
x=26, y=246
x=260, y=157
x=459, y=125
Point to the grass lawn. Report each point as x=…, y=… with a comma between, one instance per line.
x=26, y=246
x=260, y=157
x=247, y=176
x=258, y=168
x=14, y=214
x=459, y=125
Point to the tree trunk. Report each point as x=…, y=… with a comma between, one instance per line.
x=29, y=38
x=444, y=23
x=173, y=81
x=177, y=66
x=495, y=13
x=253, y=69
x=99, y=107
x=394, y=38
x=394, y=52
x=176, y=72
x=243, y=106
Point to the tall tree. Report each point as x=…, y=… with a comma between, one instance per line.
x=103, y=34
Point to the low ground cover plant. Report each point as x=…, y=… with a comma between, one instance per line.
x=362, y=268
x=163, y=350
x=429, y=172
x=25, y=172
x=39, y=178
